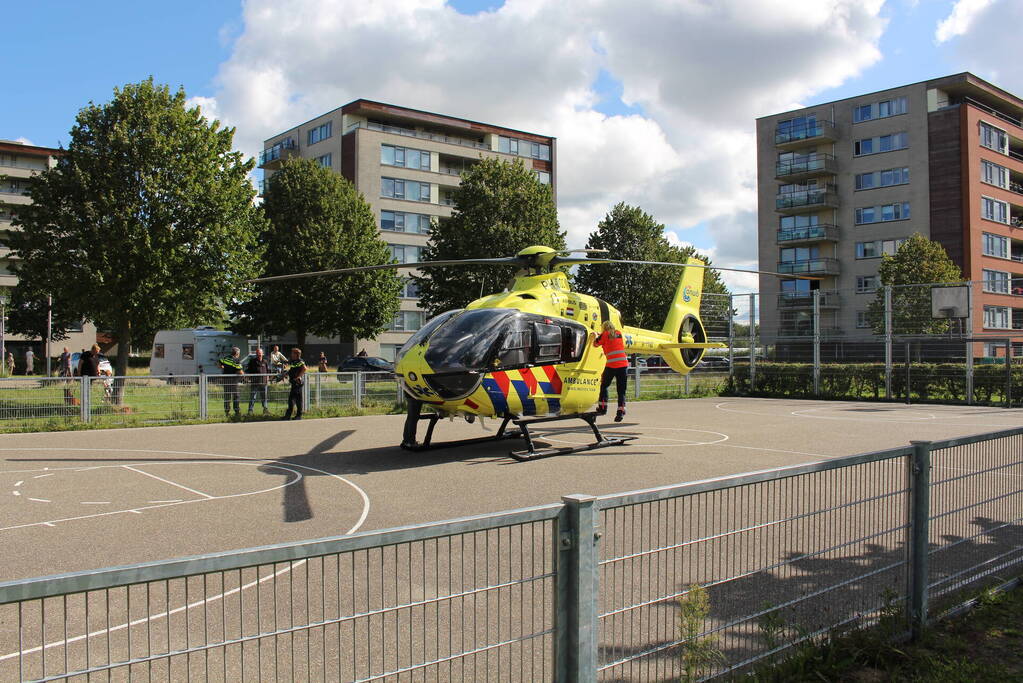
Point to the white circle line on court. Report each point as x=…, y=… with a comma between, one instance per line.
x=138, y=509
x=204, y=601
x=724, y=407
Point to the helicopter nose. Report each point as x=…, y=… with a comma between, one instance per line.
x=454, y=385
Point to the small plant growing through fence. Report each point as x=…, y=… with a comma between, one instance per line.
x=697, y=652
x=772, y=627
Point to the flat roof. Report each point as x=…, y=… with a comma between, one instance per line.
x=960, y=84
x=362, y=105
x=15, y=146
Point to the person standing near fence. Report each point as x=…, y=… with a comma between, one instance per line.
x=88, y=362
x=296, y=377
x=257, y=368
x=323, y=362
x=278, y=361
x=231, y=372
x=616, y=368
x=9, y=362
x=64, y=370
x=30, y=359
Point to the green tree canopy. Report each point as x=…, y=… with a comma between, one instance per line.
x=27, y=314
x=146, y=221
x=918, y=261
x=643, y=293
x=319, y=221
x=499, y=209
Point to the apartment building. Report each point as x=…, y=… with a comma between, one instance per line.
x=842, y=183
x=406, y=163
x=19, y=162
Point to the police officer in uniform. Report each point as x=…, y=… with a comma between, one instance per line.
x=231, y=367
x=296, y=376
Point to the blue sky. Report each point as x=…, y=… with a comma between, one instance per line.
x=566, y=76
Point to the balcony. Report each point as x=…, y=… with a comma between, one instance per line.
x=808, y=234
x=809, y=167
x=806, y=201
x=814, y=266
x=271, y=157
x=830, y=298
x=422, y=134
x=820, y=131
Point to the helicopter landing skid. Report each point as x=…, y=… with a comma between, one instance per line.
x=434, y=418
x=533, y=453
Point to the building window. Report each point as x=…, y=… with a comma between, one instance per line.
x=398, y=221
x=885, y=178
x=389, y=351
x=996, y=282
x=407, y=321
x=791, y=254
x=994, y=138
x=879, y=110
x=877, y=248
x=324, y=161
x=882, y=143
x=804, y=221
x=405, y=253
x=319, y=133
x=996, y=245
x=395, y=188
x=994, y=210
x=996, y=317
x=861, y=319
x=390, y=155
x=994, y=174
x=883, y=213
x=543, y=176
x=866, y=284
x=410, y=290
x=523, y=148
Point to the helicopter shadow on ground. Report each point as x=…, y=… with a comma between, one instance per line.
x=810, y=593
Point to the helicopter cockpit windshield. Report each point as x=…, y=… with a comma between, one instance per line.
x=466, y=343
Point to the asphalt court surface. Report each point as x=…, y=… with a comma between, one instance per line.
x=73, y=501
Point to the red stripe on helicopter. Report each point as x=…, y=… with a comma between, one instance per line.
x=503, y=383
x=471, y=403
x=530, y=380
x=553, y=377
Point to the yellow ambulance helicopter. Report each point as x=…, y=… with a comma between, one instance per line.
x=525, y=355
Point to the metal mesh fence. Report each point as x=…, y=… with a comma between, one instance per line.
x=421, y=604
x=777, y=562
x=976, y=511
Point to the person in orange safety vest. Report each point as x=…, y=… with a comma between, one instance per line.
x=617, y=367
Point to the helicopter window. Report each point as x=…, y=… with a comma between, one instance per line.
x=425, y=331
x=548, y=343
x=573, y=343
x=469, y=341
x=515, y=348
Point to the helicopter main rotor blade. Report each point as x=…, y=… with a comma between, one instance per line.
x=506, y=261
x=576, y=261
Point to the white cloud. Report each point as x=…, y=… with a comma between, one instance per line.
x=24, y=141
x=958, y=22
x=977, y=33
x=700, y=72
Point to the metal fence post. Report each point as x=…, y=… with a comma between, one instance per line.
x=919, y=526
x=969, y=345
x=685, y=380
x=575, y=649
x=204, y=398
x=635, y=385
x=816, y=342
x=888, y=356
x=305, y=393
x=358, y=389
x=86, y=390
x=318, y=378
x=752, y=342
x=731, y=334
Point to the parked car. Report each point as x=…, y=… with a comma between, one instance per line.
x=714, y=363
x=657, y=364
x=365, y=364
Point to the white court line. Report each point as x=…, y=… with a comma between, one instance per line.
x=168, y=481
x=95, y=502
x=724, y=407
x=39, y=500
x=298, y=476
x=40, y=476
x=19, y=483
x=176, y=500
x=204, y=601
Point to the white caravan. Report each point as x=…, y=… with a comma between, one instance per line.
x=189, y=352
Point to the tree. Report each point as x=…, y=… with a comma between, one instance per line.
x=499, y=209
x=145, y=222
x=319, y=221
x=643, y=293
x=28, y=312
x=918, y=261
